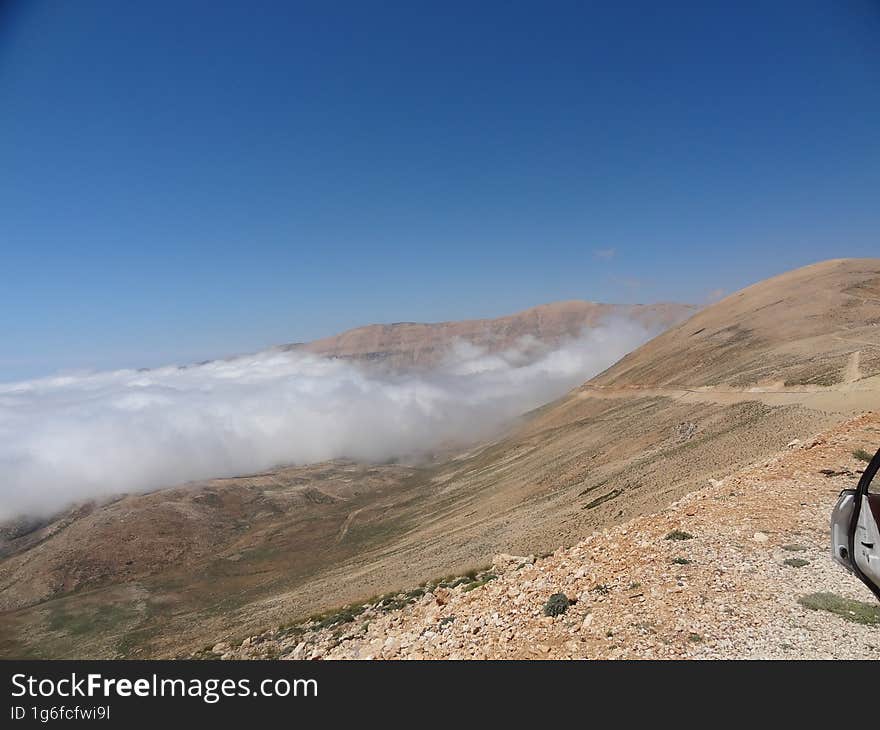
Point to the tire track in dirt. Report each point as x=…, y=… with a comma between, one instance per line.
x=343, y=531
x=852, y=373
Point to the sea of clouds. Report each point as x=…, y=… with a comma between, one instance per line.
x=74, y=437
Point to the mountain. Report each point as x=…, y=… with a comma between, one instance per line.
x=173, y=572
x=413, y=346
x=815, y=326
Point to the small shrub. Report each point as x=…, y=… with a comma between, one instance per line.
x=832, y=473
x=393, y=603
x=679, y=535
x=695, y=638
x=862, y=455
x=855, y=611
x=488, y=577
x=556, y=605
x=796, y=562
x=603, y=589
x=794, y=548
x=682, y=561
x=335, y=618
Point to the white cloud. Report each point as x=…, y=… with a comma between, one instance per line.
x=80, y=436
x=605, y=253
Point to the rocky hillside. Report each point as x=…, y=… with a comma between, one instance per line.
x=737, y=569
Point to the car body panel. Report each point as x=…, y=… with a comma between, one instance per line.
x=867, y=542
x=841, y=519
x=855, y=529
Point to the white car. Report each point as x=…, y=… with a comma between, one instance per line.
x=855, y=529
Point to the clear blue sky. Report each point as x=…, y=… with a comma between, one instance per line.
x=182, y=180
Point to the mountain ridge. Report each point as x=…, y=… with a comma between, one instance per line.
x=422, y=345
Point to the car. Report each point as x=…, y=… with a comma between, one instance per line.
x=855, y=528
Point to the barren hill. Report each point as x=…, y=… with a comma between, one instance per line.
x=815, y=326
x=185, y=568
x=415, y=345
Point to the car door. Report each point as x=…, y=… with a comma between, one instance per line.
x=855, y=528
x=866, y=535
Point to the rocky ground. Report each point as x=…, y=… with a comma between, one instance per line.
x=749, y=547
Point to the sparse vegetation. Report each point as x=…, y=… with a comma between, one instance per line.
x=679, y=535
x=556, y=605
x=695, y=638
x=604, y=498
x=796, y=562
x=855, y=611
x=455, y=582
x=388, y=602
x=862, y=455
x=682, y=561
x=794, y=547
x=835, y=473
x=470, y=580
x=480, y=582
x=337, y=617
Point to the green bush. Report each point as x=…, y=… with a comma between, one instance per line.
x=855, y=611
x=479, y=583
x=793, y=547
x=679, y=535
x=556, y=605
x=796, y=562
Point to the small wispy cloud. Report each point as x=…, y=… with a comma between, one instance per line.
x=606, y=254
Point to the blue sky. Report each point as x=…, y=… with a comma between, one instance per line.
x=182, y=180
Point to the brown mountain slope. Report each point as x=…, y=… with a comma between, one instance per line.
x=735, y=589
x=414, y=345
x=802, y=328
x=599, y=456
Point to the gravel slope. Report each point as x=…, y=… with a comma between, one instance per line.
x=735, y=599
